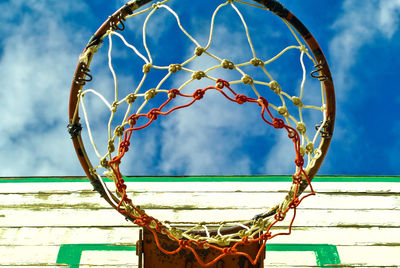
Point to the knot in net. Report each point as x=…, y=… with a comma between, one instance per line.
x=275, y=87
x=198, y=75
x=153, y=114
x=173, y=68
x=245, y=240
x=278, y=123
x=229, y=251
x=132, y=120
x=184, y=243
x=247, y=80
x=119, y=131
x=227, y=64
x=297, y=178
x=144, y=220
x=199, y=51
x=262, y=102
x=150, y=94
x=294, y=203
x=257, y=62
x=124, y=146
x=198, y=94
x=299, y=161
x=222, y=83
x=172, y=93
x=279, y=216
x=240, y=99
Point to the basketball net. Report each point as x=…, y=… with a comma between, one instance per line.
x=286, y=115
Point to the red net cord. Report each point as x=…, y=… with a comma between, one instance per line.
x=155, y=226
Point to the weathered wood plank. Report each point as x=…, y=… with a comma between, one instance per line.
x=350, y=256
x=108, y=217
x=29, y=256
x=53, y=236
x=361, y=218
x=307, y=259
x=347, y=187
x=243, y=200
x=375, y=256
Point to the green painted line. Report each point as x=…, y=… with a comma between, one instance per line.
x=208, y=179
x=326, y=255
x=357, y=179
x=211, y=179
x=70, y=254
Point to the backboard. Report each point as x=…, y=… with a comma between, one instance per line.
x=61, y=221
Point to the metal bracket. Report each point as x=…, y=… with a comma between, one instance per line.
x=318, y=68
x=139, y=249
x=83, y=76
x=114, y=20
x=326, y=131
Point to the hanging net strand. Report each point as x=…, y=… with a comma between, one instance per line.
x=285, y=112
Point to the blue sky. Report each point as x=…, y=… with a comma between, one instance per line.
x=39, y=48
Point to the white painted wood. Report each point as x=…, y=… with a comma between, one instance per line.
x=52, y=236
x=243, y=200
x=109, y=217
x=383, y=256
x=274, y=258
x=29, y=256
x=66, y=187
x=55, y=187
x=109, y=258
x=361, y=218
x=277, y=258
x=351, y=256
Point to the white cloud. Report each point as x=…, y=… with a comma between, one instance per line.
x=360, y=24
x=281, y=157
x=38, y=59
x=388, y=17
x=210, y=136
x=207, y=137
x=36, y=66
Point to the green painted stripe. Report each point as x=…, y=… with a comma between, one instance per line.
x=325, y=254
x=357, y=179
x=211, y=179
x=208, y=179
x=70, y=254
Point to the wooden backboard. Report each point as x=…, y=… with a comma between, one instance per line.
x=60, y=221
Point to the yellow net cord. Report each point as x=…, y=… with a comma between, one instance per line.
x=119, y=137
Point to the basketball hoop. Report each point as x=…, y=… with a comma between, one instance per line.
x=285, y=114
